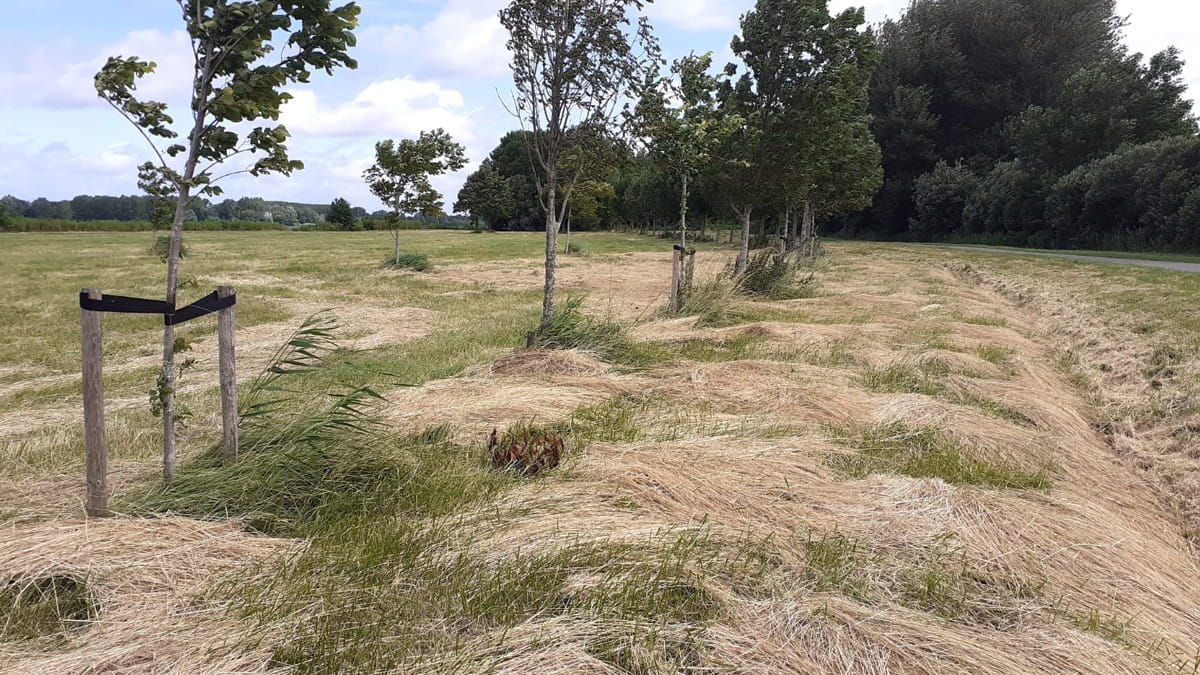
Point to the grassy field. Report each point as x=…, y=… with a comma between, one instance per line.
x=920, y=461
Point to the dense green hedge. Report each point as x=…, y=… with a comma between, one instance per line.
x=1140, y=198
x=40, y=225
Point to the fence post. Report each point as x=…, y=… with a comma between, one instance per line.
x=227, y=354
x=92, y=348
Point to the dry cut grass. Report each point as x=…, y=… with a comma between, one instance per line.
x=894, y=476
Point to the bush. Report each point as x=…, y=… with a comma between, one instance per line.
x=770, y=274
x=941, y=196
x=1010, y=202
x=1141, y=197
x=410, y=261
x=574, y=247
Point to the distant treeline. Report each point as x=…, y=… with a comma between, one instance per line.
x=140, y=208
x=133, y=213
x=55, y=225
x=22, y=224
x=1034, y=127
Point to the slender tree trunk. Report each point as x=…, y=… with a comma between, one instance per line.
x=808, y=232
x=396, y=240
x=567, y=245
x=552, y=226
x=683, y=209
x=786, y=237
x=744, y=252
x=166, y=388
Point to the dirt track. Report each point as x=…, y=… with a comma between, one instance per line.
x=1160, y=264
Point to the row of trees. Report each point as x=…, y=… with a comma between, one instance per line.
x=1036, y=126
x=789, y=137
x=131, y=208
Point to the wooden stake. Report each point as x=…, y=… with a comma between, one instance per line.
x=228, y=366
x=92, y=343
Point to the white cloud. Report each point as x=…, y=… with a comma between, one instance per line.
x=395, y=107
x=57, y=171
x=58, y=76
x=699, y=15
x=465, y=39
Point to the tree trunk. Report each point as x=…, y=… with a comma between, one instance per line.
x=552, y=226
x=744, y=252
x=808, y=233
x=567, y=245
x=396, y=240
x=785, y=237
x=166, y=388
x=793, y=233
x=683, y=209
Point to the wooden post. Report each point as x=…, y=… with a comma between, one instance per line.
x=226, y=347
x=92, y=343
x=676, y=264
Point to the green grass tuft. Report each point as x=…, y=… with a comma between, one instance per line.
x=424, y=604
x=926, y=452
x=416, y=262
x=44, y=607
x=996, y=354
x=900, y=378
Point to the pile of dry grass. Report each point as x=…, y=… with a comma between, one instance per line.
x=147, y=577
x=532, y=362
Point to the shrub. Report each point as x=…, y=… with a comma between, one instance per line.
x=1010, y=203
x=574, y=247
x=771, y=274
x=410, y=261
x=941, y=196
x=1140, y=197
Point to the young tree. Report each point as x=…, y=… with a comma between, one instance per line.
x=234, y=83
x=400, y=176
x=571, y=63
x=340, y=214
x=740, y=170
x=809, y=73
x=683, y=137
x=486, y=197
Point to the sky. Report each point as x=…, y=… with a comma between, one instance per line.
x=423, y=64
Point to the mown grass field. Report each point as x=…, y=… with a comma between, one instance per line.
x=921, y=461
